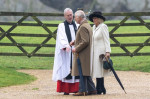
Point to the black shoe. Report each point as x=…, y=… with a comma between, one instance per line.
x=66, y=93
x=102, y=91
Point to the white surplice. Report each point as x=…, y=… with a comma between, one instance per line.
x=61, y=68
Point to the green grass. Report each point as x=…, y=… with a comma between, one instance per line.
x=136, y=63
x=9, y=77
x=17, y=62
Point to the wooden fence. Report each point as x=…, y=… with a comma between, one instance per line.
x=50, y=34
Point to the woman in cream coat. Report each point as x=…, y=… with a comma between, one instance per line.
x=100, y=45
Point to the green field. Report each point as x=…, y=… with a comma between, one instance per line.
x=136, y=63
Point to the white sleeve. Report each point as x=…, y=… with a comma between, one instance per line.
x=106, y=38
x=61, y=36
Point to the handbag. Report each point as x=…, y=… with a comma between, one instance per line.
x=107, y=63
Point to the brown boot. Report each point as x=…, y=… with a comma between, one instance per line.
x=92, y=92
x=80, y=94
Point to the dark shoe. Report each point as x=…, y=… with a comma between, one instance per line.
x=80, y=94
x=103, y=90
x=92, y=93
x=66, y=93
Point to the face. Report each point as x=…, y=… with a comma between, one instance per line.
x=97, y=21
x=77, y=19
x=68, y=16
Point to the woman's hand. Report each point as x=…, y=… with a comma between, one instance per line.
x=107, y=55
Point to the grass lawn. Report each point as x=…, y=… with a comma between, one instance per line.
x=10, y=77
x=136, y=63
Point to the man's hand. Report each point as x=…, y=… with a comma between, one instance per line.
x=67, y=49
x=73, y=50
x=71, y=43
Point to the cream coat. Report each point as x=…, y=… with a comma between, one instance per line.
x=100, y=45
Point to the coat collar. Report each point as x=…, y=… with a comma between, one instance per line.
x=85, y=21
x=96, y=28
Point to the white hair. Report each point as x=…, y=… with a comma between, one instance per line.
x=67, y=9
x=80, y=13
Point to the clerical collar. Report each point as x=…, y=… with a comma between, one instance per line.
x=70, y=23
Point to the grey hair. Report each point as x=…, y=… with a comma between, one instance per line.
x=67, y=9
x=80, y=13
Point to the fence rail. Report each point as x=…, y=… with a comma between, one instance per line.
x=8, y=34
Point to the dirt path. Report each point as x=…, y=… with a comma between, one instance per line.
x=137, y=85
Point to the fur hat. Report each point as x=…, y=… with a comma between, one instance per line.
x=97, y=14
